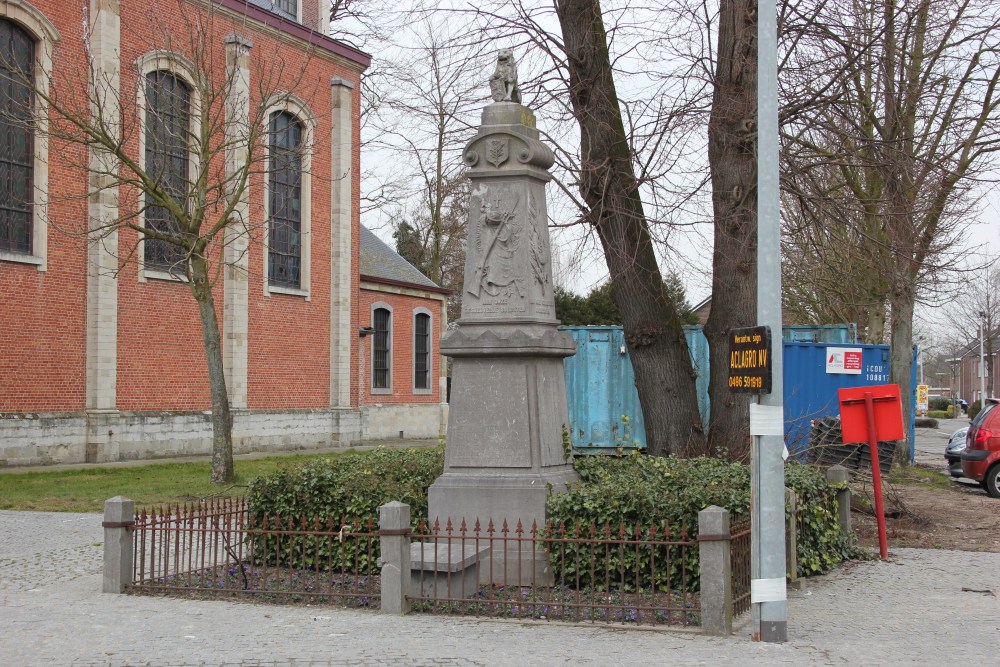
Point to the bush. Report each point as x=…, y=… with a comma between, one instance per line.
x=939, y=403
x=644, y=490
x=974, y=409
x=340, y=489
x=939, y=414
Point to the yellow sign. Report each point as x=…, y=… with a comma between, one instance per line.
x=922, y=397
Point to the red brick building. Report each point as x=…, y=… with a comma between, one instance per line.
x=101, y=352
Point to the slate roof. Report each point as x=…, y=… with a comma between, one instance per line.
x=380, y=261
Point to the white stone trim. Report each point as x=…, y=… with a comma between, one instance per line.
x=46, y=35
x=103, y=212
x=429, y=389
x=389, y=356
x=236, y=286
x=298, y=108
x=343, y=236
x=183, y=68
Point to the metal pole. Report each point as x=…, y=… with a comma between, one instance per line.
x=770, y=606
x=883, y=543
x=982, y=361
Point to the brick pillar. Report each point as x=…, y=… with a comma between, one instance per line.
x=236, y=321
x=394, y=529
x=343, y=337
x=119, y=519
x=102, y=246
x=716, y=571
x=840, y=475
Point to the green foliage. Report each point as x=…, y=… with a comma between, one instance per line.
x=598, y=307
x=341, y=490
x=668, y=492
x=938, y=404
x=939, y=414
x=974, y=409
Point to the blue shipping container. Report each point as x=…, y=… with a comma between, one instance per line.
x=604, y=411
x=600, y=384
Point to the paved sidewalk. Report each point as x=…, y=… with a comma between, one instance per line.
x=909, y=611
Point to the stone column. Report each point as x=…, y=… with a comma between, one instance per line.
x=102, y=246
x=342, y=334
x=119, y=520
x=716, y=571
x=508, y=404
x=236, y=316
x=394, y=542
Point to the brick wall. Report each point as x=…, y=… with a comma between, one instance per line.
x=42, y=313
x=403, y=308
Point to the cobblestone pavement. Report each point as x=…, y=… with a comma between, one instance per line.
x=908, y=611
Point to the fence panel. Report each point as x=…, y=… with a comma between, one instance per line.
x=219, y=547
x=739, y=551
x=611, y=574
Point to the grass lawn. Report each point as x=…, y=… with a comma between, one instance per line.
x=85, y=490
x=918, y=476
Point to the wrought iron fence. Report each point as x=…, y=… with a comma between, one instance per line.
x=739, y=554
x=641, y=574
x=220, y=547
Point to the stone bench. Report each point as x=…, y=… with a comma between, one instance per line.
x=446, y=571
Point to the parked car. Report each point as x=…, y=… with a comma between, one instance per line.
x=953, y=451
x=981, y=458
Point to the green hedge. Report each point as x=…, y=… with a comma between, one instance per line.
x=614, y=490
x=638, y=489
x=344, y=488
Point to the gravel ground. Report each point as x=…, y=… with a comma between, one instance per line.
x=911, y=610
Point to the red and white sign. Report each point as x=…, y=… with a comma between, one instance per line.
x=843, y=360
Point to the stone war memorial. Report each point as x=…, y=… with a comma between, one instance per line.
x=508, y=401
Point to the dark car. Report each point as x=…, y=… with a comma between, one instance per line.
x=981, y=458
x=952, y=453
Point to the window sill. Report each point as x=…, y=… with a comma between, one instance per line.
x=157, y=274
x=22, y=259
x=382, y=392
x=290, y=291
x=422, y=392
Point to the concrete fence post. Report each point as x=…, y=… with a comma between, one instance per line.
x=394, y=539
x=716, y=571
x=792, y=535
x=119, y=522
x=840, y=475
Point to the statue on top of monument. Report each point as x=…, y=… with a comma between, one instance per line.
x=503, y=83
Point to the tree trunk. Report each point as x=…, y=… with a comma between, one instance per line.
x=653, y=329
x=222, y=418
x=901, y=355
x=732, y=157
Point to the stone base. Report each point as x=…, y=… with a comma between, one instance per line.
x=508, y=497
x=442, y=571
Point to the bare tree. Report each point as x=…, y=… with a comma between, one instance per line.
x=203, y=120
x=608, y=184
x=732, y=155
x=911, y=104
x=426, y=116
x=976, y=308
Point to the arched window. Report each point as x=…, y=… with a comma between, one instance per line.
x=422, y=351
x=168, y=161
x=285, y=200
x=17, y=158
x=382, y=350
